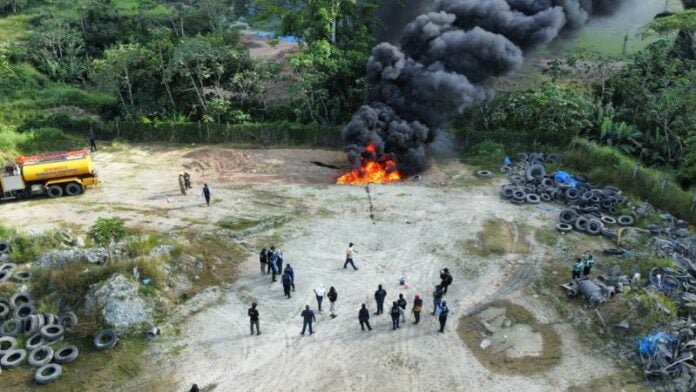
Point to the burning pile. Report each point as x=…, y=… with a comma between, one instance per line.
x=372, y=169
x=441, y=68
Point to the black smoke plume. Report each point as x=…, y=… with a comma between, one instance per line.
x=442, y=66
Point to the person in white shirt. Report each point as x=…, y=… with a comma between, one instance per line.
x=349, y=257
x=319, y=292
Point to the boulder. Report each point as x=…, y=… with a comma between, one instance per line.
x=161, y=250
x=118, y=300
x=61, y=257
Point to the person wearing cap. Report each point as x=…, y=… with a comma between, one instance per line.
x=417, y=307
x=254, y=319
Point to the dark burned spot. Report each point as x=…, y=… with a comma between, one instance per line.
x=327, y=165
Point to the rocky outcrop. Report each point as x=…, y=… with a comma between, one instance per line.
x=59, y=258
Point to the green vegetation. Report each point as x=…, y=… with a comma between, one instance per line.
x=106, y=232
x=498, y=238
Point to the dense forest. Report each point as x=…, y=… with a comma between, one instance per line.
x=133, y=69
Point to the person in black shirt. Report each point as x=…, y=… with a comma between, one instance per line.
x=254, y=319
x=364, y=318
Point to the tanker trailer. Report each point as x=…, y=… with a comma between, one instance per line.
x=54, y=174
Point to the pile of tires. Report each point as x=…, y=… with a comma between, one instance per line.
x=590, y=207
x=42, y=334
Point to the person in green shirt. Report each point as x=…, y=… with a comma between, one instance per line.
x=588, y=263
x=577, y=268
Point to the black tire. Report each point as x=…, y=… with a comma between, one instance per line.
x=608, y=220
x=517, y=180
x=625, y=220
x=545, y=197
x=519, y=195
x=7, y=343
x=105, y=340
x=552, y=158
x=594, y=227
x=50, y=319
x=608, y=233
x=21, y=276
x=5, y=276
x=66, y=354
x=19, y=298
x=533, y=198
x=505, y=169
x=522, y=157
x=40, y=356
x=547, y=183
x=54, y=191
x=572, y=194
x=52, y=332
x=13, y=359
x=568, y=216
x=68, y=321
x=580, y=223
x=536, y=172
x=33, y=324
x=4, y=247
x=8, y=266
x=564, y=227
x=484, y=174
x=11, y=327
x=36, y=340
x=4, y=310
x=507, y=192
x=47, y=374
x=613, y=252
x=73, y=189
x=23, y=311
x=67, y=238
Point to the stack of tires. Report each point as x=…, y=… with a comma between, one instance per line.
x=590, y=207
x=43, y=334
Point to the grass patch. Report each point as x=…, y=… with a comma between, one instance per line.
x=26, y=248
x=236, y=223
x=142, y=245
x=499, y=237
x=548, y=237
x=220, y=258
x=471, y=329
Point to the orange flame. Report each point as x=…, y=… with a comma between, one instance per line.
x=371, y=170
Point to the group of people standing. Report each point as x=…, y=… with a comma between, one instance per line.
x=583, y=266
x=271, y=261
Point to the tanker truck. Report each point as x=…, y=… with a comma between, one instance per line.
x=53, y=174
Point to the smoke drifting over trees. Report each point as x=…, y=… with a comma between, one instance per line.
x=441, y=67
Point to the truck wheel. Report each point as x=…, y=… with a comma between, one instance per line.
x=55, y=191
x=73, y=189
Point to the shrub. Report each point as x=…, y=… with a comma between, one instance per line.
x=140, y=246
x=48, y=139
x=487, y=152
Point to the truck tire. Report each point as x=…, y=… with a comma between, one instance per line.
x=40, y=356
x=52, y=332
x=594, y=227
x=37, y=340
x=48, y=373
x=54, y=191
x=105, y=340
x=66, y=354
x=73, y=189
x=13, y=358
x=4, y=247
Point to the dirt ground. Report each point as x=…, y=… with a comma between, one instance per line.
x=419, y=228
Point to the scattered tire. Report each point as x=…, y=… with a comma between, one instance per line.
x=4, y=310
x=552, y=158
x=33, y=324
x=40, y=356
x=613, y=252
x=5, y=276
x=67, y=238
x=580, y=224
x=73, y=189
x=52, y=332
x=7, y=343
x=625, y=220
x=568, y=216
x=608, y=220
x=19, y=299
x=21, y=276
x=484, y=174
x=50, y=319
x=54, y=191
x=68, y=321
x=48, y=373
x=533, y=199
x=4, y=247
x=507, y=192
x=564, y=227
x=13, y=358
x=517, y=180
x=37, y=340
x=519, y=195
x=547, y=183
x=8, y=266
x=105, y=340
x=594, y=227
x=66, y=354
x=505, y=169
x=54, y=341
x=572, y=194
x=545, y=197
x=535, y=172
x=11, y=327
x=608, y=233
x=23, y=311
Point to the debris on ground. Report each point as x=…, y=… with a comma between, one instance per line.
x=119, y=302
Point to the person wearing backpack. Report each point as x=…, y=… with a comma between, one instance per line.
x=417, y=307
x=380, y=295
x=333, y=295
x=395, y=314
x=402, y=307
x=437, y=298
x=446, y=280
x=287, y=281
x=364, y=318
x=444, y=311
x=291, y=272
x=263, y=259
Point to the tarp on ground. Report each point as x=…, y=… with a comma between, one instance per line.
x=563, y=177
x=648, y=345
